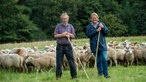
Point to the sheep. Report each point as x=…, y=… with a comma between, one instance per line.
x=84, y=57
x=112, y=55
x=12, y=61
x=129, y=56
x=139, y=55
x=28, y=65
x=143, y=44
x=144, y=55
x=120, y=55
x=42, y=62
x=52, y=54
x=91, y=61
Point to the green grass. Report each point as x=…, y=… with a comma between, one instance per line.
x=118, y=74
x=80, y=42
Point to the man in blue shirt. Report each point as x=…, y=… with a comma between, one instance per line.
x=92, y=31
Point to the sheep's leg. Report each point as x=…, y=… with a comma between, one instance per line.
x=110, y=63
x=115, y=62
x=38, y=68
x=36, y=75
x=136, y=61
x=77, y=66
x=127, y=63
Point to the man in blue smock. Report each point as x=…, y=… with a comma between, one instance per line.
x=92, y=31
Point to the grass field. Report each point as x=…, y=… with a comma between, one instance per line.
x=118, y=74
x=41, y=44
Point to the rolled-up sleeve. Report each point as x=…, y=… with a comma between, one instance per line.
x=73, y=30
x=56, y=31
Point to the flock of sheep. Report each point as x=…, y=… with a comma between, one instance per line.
x=126, y=53
x=27, y=59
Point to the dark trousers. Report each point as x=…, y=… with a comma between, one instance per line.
x=68, y=52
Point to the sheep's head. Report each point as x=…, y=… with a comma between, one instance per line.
x=129, y=51
x=29, y=59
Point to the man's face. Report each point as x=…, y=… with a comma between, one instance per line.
x=65, y=19
x=94, y=19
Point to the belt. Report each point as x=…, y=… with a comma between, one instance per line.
x=64, y=44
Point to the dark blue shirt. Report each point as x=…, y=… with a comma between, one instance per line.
x=93, y=35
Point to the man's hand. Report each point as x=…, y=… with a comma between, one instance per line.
x=68, y=36
x=64, y=34
x=100, y=25
x=99, y=29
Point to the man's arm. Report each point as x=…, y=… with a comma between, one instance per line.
x=62, y=35
x=70, y=35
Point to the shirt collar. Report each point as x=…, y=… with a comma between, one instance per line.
x=64, y=25
x=94, y=25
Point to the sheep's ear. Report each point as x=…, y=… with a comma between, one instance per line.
x=18, y=51
x=86, y=51
x=116, y=44
x=109, y=44
x=31, y=58
x=125, y=49
x=25, y=57
x=135, y=43
x=84, y=47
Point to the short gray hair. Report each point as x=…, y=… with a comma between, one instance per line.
x=94, y=14
x=63, y=14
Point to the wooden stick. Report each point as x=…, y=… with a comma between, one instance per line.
x=97, y=49
x=78, y=59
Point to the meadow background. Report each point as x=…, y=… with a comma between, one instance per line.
x=118, y=74
x=28, y=23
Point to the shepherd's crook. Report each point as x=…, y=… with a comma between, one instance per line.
x=97, y=49
x=78, y=59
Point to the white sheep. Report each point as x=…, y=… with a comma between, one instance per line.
x=129, y=57
x=42, y=62
x=112, y=55
x=12, y=60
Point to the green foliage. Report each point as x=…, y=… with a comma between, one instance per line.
x=132, y=13
x=115, y=25
x=31, y=20
x=15, y=26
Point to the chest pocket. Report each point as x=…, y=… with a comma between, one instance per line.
x=65, y=29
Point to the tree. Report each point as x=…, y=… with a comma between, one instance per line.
x=14, y=25
x=31, y=20
x=133, y=15
x=115, y=25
